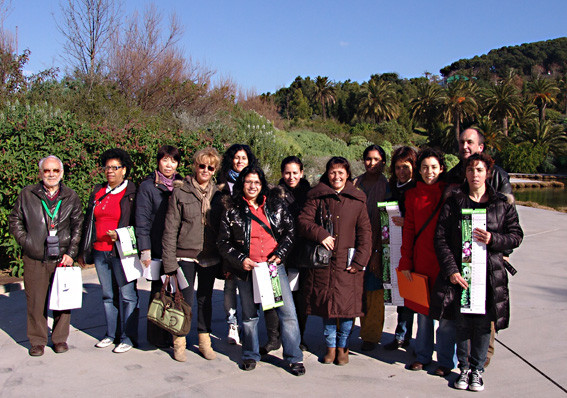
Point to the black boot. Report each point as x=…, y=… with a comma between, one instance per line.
x=273, y=329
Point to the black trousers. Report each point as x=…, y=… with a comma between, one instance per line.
x=204, y=291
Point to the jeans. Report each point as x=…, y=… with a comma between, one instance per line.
x=445, y=334
x=204, y=291
x=334, y=337
x=289, y=328
x=121, y=321
x=404, y=329
x=473, y=331
x=230, y=301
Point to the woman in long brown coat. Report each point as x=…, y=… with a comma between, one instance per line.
x=335, y=292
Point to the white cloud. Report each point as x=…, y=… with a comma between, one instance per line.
x=343, y=43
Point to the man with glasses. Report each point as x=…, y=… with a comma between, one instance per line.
x=46, y=221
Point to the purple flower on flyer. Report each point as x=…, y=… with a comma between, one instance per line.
x=273, y=269
x=467, y=249
x=385, y=233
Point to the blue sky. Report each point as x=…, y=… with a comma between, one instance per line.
x=264, y=45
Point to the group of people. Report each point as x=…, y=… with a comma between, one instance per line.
x=209, y=229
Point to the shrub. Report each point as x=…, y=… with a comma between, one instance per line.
x=523, y=158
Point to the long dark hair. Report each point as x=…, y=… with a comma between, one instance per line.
x=238, y=188
x=334, y=161
x=228, y=157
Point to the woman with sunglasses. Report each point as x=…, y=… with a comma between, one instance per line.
x=113, y=207
x=189, y=243
x=151, y=206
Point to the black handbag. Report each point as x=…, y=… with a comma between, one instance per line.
x=89, y=237
x=313, y=254
x=169, y=311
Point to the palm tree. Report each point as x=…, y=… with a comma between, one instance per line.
x=562, y=85
x=324, y=92
x=501, y=102
x=427, y=102
x=493, y=137
x=542, y=93
x=460, y=103
x=380, y=101
x=545, y=134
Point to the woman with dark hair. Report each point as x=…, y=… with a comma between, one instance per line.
x=256, y=227
x=418, y=255
x=235, y=159
x=113, y=207
x=375, y=185
x=335, y=292
x=503, y=233
x=295, y=190
x=402, y=172
x=189, y=243
x=151, y=206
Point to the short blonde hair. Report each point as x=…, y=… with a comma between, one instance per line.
x=208, y=154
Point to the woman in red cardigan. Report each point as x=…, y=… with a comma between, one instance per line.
x=418, y=255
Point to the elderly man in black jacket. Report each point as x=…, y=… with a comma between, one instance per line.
x=47, y=209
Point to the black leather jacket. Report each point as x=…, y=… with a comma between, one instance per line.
x=29, y=226
x=499, y=180
x=234, y=232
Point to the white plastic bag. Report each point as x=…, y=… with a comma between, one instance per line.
x=66, y=289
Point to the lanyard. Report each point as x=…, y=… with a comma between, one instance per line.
x=51, y=216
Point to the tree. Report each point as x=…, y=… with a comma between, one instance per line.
x=299, y=107
x=542, y=93
x=324, y=93
x=426, y=103
x=89, y=26
x=501, y=102
x=380, y=101
x=460, y=103
x=546, y=135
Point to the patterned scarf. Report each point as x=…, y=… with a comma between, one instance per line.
x=205, y=196
x=168, y=182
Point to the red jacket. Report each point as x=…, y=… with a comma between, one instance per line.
x=420, y=202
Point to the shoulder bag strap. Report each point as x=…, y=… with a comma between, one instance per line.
x=428, y=220
x=262, y=224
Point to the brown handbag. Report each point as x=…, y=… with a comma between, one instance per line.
x=170, y=311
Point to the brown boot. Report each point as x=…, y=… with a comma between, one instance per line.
x=342, y=356
x=179, y=345
x=330, y=355
x=205, y=346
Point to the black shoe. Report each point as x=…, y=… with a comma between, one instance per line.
x=394, y=345
x=249, y=364
x=270, y=346
x=297, y=369
x=36, y=350
x=303, y=346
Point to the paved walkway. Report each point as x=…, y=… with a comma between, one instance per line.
x=530, y=359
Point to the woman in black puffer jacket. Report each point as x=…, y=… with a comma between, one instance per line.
x=503, y=233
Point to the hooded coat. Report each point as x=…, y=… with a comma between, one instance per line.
x=334, y=292
x=503, y=224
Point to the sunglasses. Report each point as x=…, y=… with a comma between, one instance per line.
x=204, y=166
x=55, y=171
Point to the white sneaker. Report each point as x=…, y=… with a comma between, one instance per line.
x=476, y=383
x=462, y=382
x=233, y=336
x=122, y=347
x=104, y=343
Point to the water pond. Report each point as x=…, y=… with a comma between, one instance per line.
x=551, y=197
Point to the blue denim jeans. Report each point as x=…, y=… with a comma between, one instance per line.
x=473, y=338
x=289, y=328
x=424, y=341
x=334, y=337
x=121, y=321
x=230, y=301
x=404, y=329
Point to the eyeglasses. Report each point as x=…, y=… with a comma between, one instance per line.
x=257, y=183
x=55, y=171
x=209, y=167
x=111, y=168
